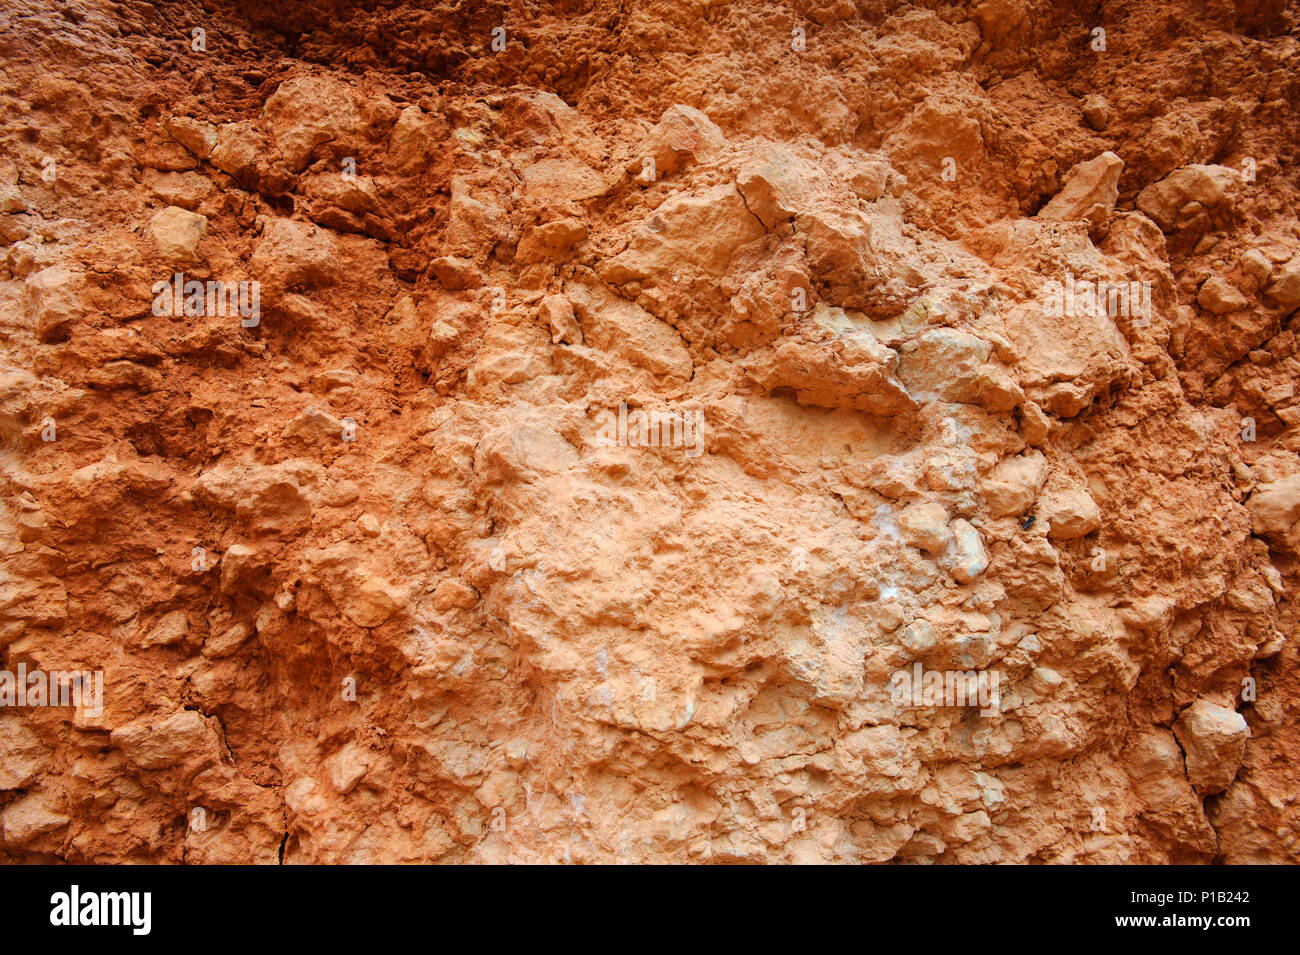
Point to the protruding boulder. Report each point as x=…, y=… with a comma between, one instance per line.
x=22, y=757
x=965, y=557
x=1070, y=510
x=177, y=233
x=682, y=135
x=1213, y=739
x=307, y=112
x=295, y=253
x=943, y=363
x=52, y=301
x=33, y=815
x=1285, y=289
x=698, y=230
x=1176, y=200
x=1088, y=193
x=198, y=137
x=1275, y=506
x=1220, y=297
x=1014, y=483
x=853, y=372
x=625, y=329
x=925, y=526
x=151, y=743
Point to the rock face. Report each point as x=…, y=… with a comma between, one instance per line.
x=596, y=449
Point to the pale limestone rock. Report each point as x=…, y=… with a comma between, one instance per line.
x=227, y=641
x=1218, y=296
x=177, y=233
x=412, y=139
x=307, y=112
x=52, y=302
x=22, y=756
x=919, y=638
x=1065, y=361
x=243, y=152
x=965, y=557
x=1070, y=511
x=1096, y=111
x=925, y=526
x=569, y=179
x=1256, y=265
x=557, y=312
x=294, y=253
x=1275, y=506
x=550, y=241
x=854, y=372
x=31, y=816
x=1213, y=739
x=1013, y=485
x=352, y=581
x=348, y=767
x=682, y=135
x=198, y=137
x=316, y=426
x=1088, y=192
x=264, y=498
x=454, y=594
x=624, y=328
x=11, y=200
x=699, y=230
x=1196, y=186
x=943, y=363
x=171, y=628
x=1285, y=290
x=153, y=743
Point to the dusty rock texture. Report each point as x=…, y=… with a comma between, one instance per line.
x=587, y=412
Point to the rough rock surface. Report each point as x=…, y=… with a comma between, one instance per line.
x=630, y=394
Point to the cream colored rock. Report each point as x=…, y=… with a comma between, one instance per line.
x=356, y=586
x=925, y=526
x=412, y=139
x=1088, y=192
x=682, y=135
x=856, y=372
x=557, y=312
x=171, y=628
x=1213, y=739
x=1219, y=297
x=154, y=743
x=198, y=137
x=177, y=233
x=52, y=301
x=11, y=200
x=965, y=557
x=700, y=230
x=1275, y=506
x=1172, y=201
x=1013, y=485
x=1257, y=265
x=227, y=641
x=264, y=498
x=1070, y=511
x=570, y=179
x=293, y=253
x=943, y=363
x=348, y=767
x=1285, y=290
x=307, y=112
x=627, y=330
x=31, y=816
x=22, y=756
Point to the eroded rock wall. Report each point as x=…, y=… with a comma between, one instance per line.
x=594, y=428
